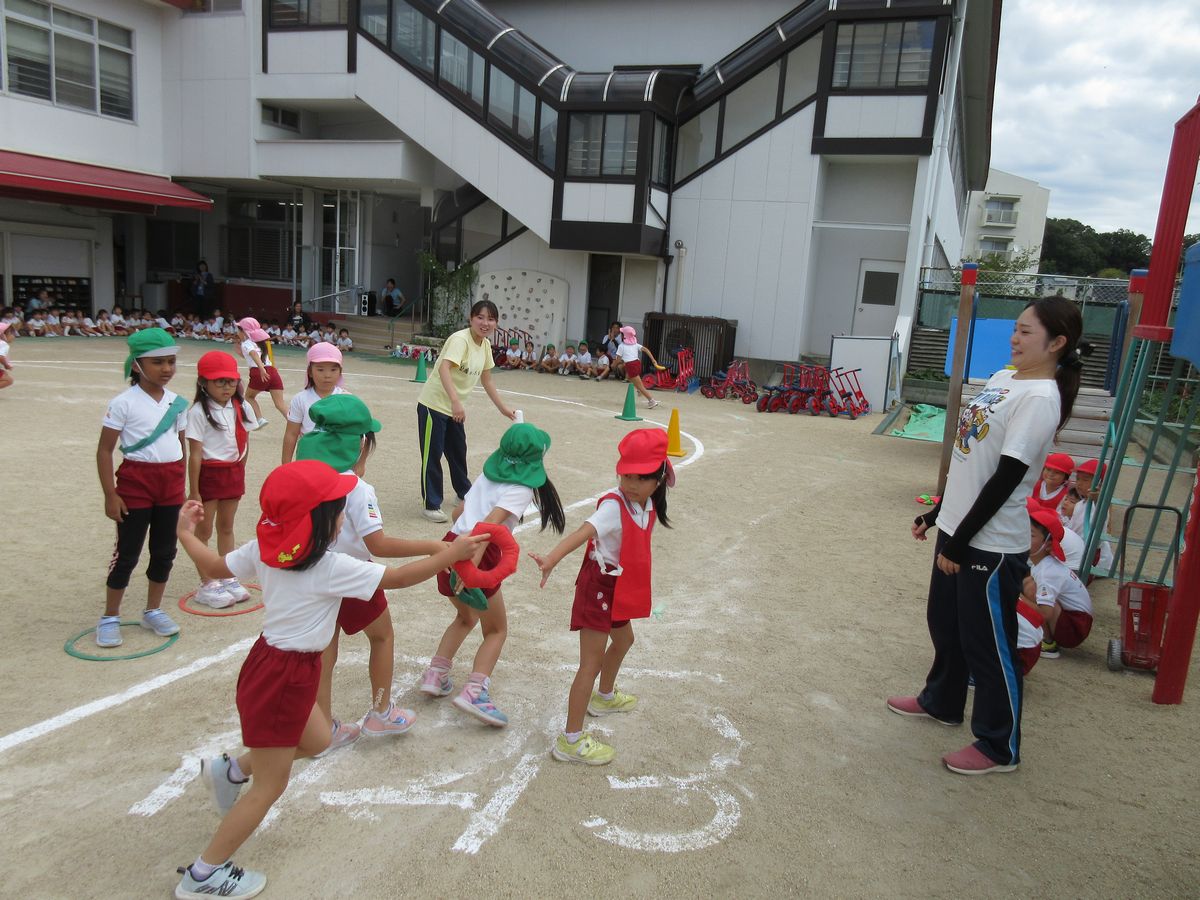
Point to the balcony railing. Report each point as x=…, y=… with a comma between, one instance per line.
x=999, y=217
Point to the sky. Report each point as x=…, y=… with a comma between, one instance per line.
x=1087, y=96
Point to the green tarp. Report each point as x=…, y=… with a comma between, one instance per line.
x=926, y=423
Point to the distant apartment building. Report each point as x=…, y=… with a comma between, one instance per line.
x=1007, y=218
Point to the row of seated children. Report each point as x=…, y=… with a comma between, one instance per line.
x=66, y=321
x=290, y=336
x=574, y=360
x=217, y=328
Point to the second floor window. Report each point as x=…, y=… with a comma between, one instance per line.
x=602, y=144
x=883, y=54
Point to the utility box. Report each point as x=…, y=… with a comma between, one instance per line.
x=711, y=339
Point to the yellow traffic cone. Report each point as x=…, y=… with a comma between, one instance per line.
x=422, y=377
x=629, y=414
x=673, y=448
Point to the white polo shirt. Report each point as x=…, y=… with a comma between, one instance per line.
x=248, y=347
x=4, y=348
x=607, y=522
x=301, y=403
x=486, y=495
x=135, y=414
x=362, y=518
x=584, y=359
x=219, y=443
x=301, y=607
x=629, y=352
x=1056, y=582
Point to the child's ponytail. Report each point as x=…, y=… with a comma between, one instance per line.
x=548, y=504
x=659, y=497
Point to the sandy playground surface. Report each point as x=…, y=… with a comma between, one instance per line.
x=760, y=762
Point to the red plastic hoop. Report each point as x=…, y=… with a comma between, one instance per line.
x=217, y=613
x=486, y=579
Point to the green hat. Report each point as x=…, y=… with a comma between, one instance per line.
x=513, y=342
x=341, y=420
x=149, y=342
x=518, y=459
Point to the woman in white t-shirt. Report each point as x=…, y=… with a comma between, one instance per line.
x=513, y=477
x=982, y=548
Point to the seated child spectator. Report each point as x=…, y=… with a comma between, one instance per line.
x=1076, y=511
x=1052, y=487
x=9, y=317
x=53, y=323
x=566, y=361
x=549, y=361
x=6, y=330
x=273, y=330
x=314, y=336
x=1061, y=597
x=70, y=322
x=529, y=359
x=104, y=324
x=1029, y=635
x=117, y=317
x=178, y=322
x=35, y=325
x=343, y=342
x=583, y=361
x=87, y=326
x=287, y=336
x=229, y=331
x=161, y=321
x=601, y=368
x=327, y=335
x=512, y=356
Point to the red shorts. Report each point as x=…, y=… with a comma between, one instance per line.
x=276, y=691
x=1028, y=657
x=272, y=382
x=144, y=484
x=633, y=369
x=1072, y=628
x=491, y=556
x=222, y=481
x=355, y=614
x=592, y=608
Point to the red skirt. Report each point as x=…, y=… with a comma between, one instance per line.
x=491, y=556
x=222, y=481
x=276, y=691
x=272, y=382
x=633, y=369
x=355, y=614
x=593, y=604
x=145, y=484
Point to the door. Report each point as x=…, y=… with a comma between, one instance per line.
x=878, y=297
x=604, y=294
x=339, y=241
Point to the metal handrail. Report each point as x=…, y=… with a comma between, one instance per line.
x=336, y=306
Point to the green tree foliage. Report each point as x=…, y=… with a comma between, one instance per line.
x=1071, y=248
x=450, y=291
x=1124, y=249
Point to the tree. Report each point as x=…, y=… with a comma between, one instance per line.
x=1070, y=248
x=1009, y=275
x=1125, y=250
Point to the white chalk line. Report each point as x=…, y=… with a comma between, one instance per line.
x=487, y=822
x=189, y=769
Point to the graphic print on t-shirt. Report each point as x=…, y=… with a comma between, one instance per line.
x=972, y=423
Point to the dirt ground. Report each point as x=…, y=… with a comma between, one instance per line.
x=760, y=761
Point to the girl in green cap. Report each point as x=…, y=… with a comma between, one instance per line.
x=513, y=477
x=344, y=437
x=147, y=422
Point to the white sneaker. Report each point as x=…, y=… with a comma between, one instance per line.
x=215, y=773
x=435, y=515
x=159, y=622
x=213, y=595
x=227, y=881
x=652, y=404
x=262, y=422
x=108, y=632
x=234, y=589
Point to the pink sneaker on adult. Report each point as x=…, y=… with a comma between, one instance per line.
x=908, y=706
x=970, y=760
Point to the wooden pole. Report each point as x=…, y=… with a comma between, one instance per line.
x=970, y=274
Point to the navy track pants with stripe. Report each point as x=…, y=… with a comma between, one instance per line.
x=438, y=434
x=972, y=619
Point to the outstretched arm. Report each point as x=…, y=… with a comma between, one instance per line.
x=464, y=547
x=566, y=546
x=490, y=386
x=380, y=545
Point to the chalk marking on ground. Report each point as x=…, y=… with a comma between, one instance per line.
x=487, y=822
x=62, y=720
x=176, y=783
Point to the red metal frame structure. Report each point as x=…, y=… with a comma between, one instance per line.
x=1184, y=611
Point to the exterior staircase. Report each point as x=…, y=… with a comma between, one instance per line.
x=377, y=334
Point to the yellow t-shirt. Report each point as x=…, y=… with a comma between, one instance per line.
x=470, y=361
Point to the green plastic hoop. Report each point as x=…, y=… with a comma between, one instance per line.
x=69, y=646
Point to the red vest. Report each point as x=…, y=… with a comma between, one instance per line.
x=631, y=596
x=1053, y=500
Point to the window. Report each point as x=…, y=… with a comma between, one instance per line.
x=547, y=149
x=172, y=246
x=462, y=69
x=372, y=18
x=211, y=6
x=602, y=145
x=995, y=247
x=308, y=13
x=259, y=241
x=1000, y=212
x=660, y=158
x=71, y=60
x=750, y=107
x=412, y=36
x=803, y=63
x=696, y=142
x=282, y=118
x=883, y=54
x=511, y=107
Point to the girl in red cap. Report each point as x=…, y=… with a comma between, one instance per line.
x=1061, y=598
x=982, y=551
x=303, y=584
x=613, y=586
x=256, y=347
x=1076, y=513
x=217, y=431
x=1051, y=489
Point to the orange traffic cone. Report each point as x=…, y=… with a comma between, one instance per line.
x=673, y=448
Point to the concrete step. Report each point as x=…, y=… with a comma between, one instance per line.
x=376, y=334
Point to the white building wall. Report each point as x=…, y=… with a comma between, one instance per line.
x=745, y=224
x=530, y=252
x=594, y=37
x=875, y=117
x=1032, y=204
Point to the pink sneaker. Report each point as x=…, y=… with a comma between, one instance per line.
x=436, y=682
x=970, y=760
x=344, y=734
x=908, y=706
x=394, y=721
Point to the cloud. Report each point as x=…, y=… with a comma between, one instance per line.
x=1087, y=96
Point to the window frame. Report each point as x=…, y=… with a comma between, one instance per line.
x=600, y=176
x=879, y=87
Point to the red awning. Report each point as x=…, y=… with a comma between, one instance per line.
x=48, y=180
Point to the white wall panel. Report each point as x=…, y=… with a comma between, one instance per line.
x=741, y=266
x=618, y=202
x=306, y=52
x=874, y=117
x=575, y=201
x=750, y=171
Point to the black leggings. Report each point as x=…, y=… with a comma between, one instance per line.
x=160, y=521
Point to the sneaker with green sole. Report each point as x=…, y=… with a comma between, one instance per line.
x=587, y=750
x=620, y=702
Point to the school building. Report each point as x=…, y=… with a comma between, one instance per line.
x=788, y=165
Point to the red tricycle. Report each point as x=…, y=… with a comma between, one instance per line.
x=1143, y=604
x=733, y=382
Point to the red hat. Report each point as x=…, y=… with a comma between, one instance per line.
x=1060, y=462
x=643, y=452
x=287, y=498
x=1049, y=520
x=1088, y=467
x=217, y=364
